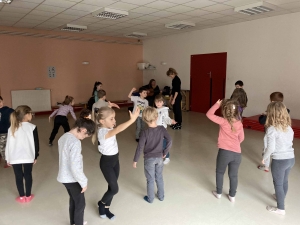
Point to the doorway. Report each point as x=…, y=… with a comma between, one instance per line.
x=207, y=80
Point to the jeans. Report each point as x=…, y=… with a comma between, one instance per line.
x=110, y=167
x=232, y=160
x=59, y=121
x=76, y=203
x=164, y=147
x=153, y=168
x=23, y=171
x=140, y=126
x=280, y=172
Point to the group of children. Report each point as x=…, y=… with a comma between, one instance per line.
x=22, y=146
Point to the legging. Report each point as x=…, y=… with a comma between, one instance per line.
x=23, y=171
x=110, y=167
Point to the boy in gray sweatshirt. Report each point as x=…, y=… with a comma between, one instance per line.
x=70, y=171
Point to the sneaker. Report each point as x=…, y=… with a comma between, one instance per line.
x=218, y=196
x=147, y=199
x=29, y=199
x=172, y=125
x=231, y=199
x=50, y=143
x=275, y=210
x=177, y=127
x=263, y=168
x=166, y=161
x=21, y=199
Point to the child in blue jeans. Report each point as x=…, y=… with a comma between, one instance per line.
x=151, y=141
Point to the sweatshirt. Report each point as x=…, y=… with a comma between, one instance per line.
x=228, y=139
x=163, y=117
x=151, y=141
x=279, y=143
x=23, y=147
x=63, y=110
x=70, y=160
x=4, y=119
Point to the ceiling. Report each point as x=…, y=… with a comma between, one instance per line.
x=146, y=16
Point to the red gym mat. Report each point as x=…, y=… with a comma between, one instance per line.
x=252, y=123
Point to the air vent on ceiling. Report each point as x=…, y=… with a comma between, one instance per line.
x=108, y=13
x=180, y=25
x=255, y=8
x=74, y=28
x=136, y=35
x=6, y=1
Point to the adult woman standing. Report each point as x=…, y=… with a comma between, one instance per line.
x=97, y=87
x=153, y=90
x=175, y=98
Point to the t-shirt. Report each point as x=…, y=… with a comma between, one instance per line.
x=99, y=104
x=140, y=103
x=108, y=146
x=163, y=118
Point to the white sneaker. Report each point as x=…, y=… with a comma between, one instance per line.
x=275, y=210
x=166, y=161
x=218, y=196
x=231, y=199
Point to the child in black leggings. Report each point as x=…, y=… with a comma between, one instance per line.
x=108, y=146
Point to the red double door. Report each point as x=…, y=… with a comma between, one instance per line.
x=208, y=80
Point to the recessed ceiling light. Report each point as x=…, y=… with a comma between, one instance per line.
x=108, y=13
x=73, y=27
x=136, y=35
x=255, y=8
x=6, y=1
x=180, y=25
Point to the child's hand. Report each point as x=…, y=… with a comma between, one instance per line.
x=263, y=162
x=135, y=114
x=133, y=89
x=113, y=105
x=8, y=164
x=34, y=162
x=84, y=189
x=134, y=164
x=219, y=102
x=49, y=119
x=173, y=122
x=164, y=156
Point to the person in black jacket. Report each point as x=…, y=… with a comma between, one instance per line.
x=274, y=97
x=175, y=98
x=152, y=91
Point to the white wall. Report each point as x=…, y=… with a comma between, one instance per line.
x=264, y=54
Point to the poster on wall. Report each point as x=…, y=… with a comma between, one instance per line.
x=51, y=72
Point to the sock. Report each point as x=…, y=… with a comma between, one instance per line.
x=101, y=209
x=109, y=214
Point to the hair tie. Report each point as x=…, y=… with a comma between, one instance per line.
x=233, y=106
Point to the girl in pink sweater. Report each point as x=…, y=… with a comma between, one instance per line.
x=231, y=134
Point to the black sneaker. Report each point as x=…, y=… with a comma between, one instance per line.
x=177, y=127
x=50, y=143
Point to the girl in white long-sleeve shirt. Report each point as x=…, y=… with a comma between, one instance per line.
x=163, y=119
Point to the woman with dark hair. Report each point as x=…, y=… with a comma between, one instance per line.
x=175, y=98
x=97, y=87
x=152, y=91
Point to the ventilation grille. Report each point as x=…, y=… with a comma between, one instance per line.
x=136, y=35
x=73, y=28
x=108, y=13
x=255, y=8
x=6, y=1
x=180, y=25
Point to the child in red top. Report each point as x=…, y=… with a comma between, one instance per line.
x=231, y=134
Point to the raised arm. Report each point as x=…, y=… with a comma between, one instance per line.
x=113, y=105
x=123, y=126
x=130, y=93
x=211, y=113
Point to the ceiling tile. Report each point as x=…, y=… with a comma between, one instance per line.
x=144, y=10
x=255, y=17
x=277, y=13
x=49, y=8
x=42, y=13
x=36, y=22
x=8, y=8
x=91, y=20
x=26, y=25
x=28, y=5
x=180, y=9
x=151, y=24
x=34, y=17
x=11, y=14
x=212, y=16
x=123, y=6
x=58, y=20
x=85, y=7
x=163, y=14
x=98, y=2
x=292, y=5
x=178, y=1
x=59, y=3
x=165, y=20
x=200, y=3
x=134, y=15
x=149, y=18
x=279, y=2
x=221, y=1
x=237, y=3
x=160, y=5
x=198, y=19
x=124, y=24
x=32, y=1
x=208, y=22
x=75, y=12
x=179, y=17
x=82, y=23
x=67, y=16
x=46, y=26
x=10, y=19
x=138, y=2
x=123, y=19
x=97, y=26
x=6, y=23
x=135, y=21
x=225, y=19
x=228, y=12
x=197, y=12
x=217, y=8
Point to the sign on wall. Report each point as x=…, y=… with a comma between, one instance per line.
x=51, y=72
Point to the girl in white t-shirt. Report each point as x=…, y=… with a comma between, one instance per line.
x=108, y=146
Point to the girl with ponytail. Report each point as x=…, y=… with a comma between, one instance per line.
x=22, y=150
x=231, y=135
x=61, y=117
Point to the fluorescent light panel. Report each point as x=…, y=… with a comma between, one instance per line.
x=73, y=28
x=108, y=13
x=6, y=1
x=255, y=8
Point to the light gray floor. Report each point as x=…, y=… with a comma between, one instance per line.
x=189, y=179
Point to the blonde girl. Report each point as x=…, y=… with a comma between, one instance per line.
x=61, y=117
x=108, y=146
x=279, y=138
x=22, y=150
x=231, y=135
